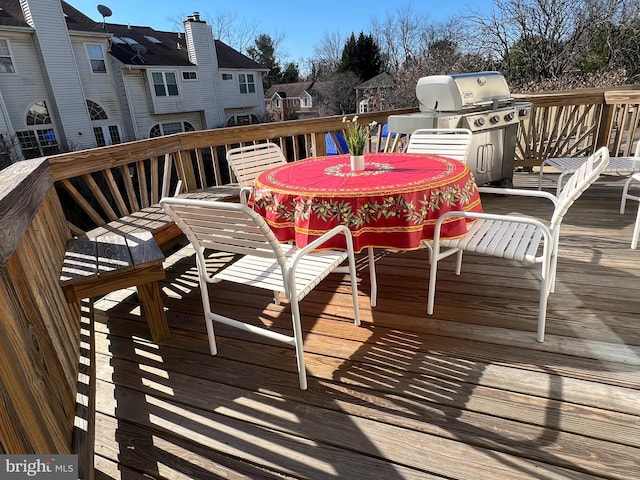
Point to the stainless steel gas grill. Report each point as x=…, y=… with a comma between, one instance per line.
x=479, y=101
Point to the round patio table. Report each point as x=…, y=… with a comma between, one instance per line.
x=393, y=203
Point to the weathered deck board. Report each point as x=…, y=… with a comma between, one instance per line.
x=464, y=394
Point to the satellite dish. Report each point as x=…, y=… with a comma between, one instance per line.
x=104, y=11
x=140, y=50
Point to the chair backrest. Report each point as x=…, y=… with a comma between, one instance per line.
x=581, y=179
x=448, y=142
x=223, y=226
x=250, y=161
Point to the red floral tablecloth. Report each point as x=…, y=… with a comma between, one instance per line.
x=393, y=203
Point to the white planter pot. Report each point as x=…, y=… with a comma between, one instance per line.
x=357, y=162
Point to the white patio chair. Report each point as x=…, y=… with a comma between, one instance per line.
x=517, y=237
x=625, y=189
x=250, y=161
x=636, y=228
x=448, y=142
x=265, y=263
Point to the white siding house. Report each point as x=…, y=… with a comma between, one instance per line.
x=67, y=82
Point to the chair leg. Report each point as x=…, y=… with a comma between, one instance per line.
x=636, y=230
x=625, y=191
x=433, y=271
x=206, y=305
x=545, y=284
x=354, y=286
x=297, y=337
x=372, y=277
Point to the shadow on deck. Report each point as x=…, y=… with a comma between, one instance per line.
x=465, y=394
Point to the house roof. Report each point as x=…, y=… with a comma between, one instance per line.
x=144, y=51
x=230, y=58
x=289, y=90
x=11, y=15
x=383, y=79
x=134, y=45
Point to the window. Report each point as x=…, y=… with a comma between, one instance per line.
x=168, y=128
x=246, y=82
x=6, y=62
x=96, y=57
x=104, y=134
x=96, y=112
x=152, y=39
x=189, y=75
x=242, y=120
x=37, y=143
x=306, y=101
x=107, y=135
x=41, y=141
x=165, y=84
x=227, y=76
x=38, y=114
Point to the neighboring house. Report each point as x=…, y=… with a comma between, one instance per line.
x=67, y=82
x=288, y=101
x=373, y=95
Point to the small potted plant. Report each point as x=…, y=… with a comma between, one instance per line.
x=356, y=136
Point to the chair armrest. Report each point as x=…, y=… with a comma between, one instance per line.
x=245, y=192
x=520, y=192
x=339, y=229
x=326, y=236
x=491, y=216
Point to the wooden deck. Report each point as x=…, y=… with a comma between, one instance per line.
x=465, y=394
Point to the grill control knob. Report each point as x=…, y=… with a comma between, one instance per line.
x=523, y=113
x=479, y=122
x=494, y=119
x=509, y=116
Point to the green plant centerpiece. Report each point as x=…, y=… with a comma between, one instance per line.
x=356, y=134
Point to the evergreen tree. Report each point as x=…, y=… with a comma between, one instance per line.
x=264, y=52
x=361, y=57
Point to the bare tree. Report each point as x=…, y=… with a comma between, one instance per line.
x=400, y=36
x=541, y=39
x=237, y=33
x=329, y=51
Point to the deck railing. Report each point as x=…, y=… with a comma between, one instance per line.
x=40, y=333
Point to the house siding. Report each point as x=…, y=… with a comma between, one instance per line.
x=52, y=65
x=236, y=103
x=21, y=89
x=67, y=104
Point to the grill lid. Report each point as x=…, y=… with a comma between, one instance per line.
x=464, y=91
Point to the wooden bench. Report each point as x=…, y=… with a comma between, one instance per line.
x=128, y=252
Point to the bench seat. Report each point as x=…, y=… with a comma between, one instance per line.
x=128, y=252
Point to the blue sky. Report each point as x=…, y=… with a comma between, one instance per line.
x=303, y=24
